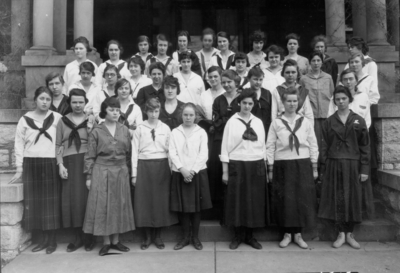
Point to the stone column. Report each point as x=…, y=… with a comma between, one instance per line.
x=42, y=27
x=376, y=23
x=335, y=22
x=60, y=25
x=393, y=16
x=83, y=19
x=359, y=12
x=20, y=26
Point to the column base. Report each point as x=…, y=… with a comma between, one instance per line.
x=41, y=50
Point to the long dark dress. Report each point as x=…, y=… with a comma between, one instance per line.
x=262, y=109
x=330, y=66
x=146, y=93
x=63, y=108
x=174, y=119
x=109, y=207
x=344, y=155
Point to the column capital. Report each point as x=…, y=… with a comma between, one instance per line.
x=376, y=23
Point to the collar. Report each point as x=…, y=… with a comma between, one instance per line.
x=119, y=62
x=236, y=115
x=147, y=125
x=322, y=74
x=296, y=118
x=219, y=54
x=196, y=129
x=30, y=115
x=214, y=51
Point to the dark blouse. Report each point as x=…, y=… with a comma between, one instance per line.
x=222, y=112
x=63, y=108
x=174, y=119
x=146, y=93
x=346, y=141
x=330, y=66
x=262, y=109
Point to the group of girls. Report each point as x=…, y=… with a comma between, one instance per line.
x=151, y=124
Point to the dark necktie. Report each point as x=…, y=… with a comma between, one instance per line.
x=74, y=135
x=293, y=140
x=46, y=125
x=249, y=134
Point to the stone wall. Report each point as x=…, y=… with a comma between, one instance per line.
x=7, y=157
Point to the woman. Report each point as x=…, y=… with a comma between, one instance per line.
x=109, y=208
x=111, y=75
x=241, y=64
x=272, y=74
x=208, y=97
x=137, y=78
x=190, y=193
x=71, y=72
x=191, y=84
x=208, y=51
x=244, y=172
x=59, y=104
x=183, y=42
x=72, y=136
x=292, y=42
x=329, y=64
x=224, y=58
x=114, y=50
x=86, y=71
x=223, y=108
x=35, y=158
x=257, y=56
x=320, y=87
x=152, y=189
x=171, y=66
x=292, y=171
x=143, y=43
x=171, y=109
x=357, y=45
x=345, y=162
x=291, y=73
x=360, y=105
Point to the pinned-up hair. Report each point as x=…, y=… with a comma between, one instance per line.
x=232, y=75
x=342, y=89
x=255, y=71
x=276, y=50
x=119, y=84
x=143, y=38
x=347, y=71
x=152, y=104
x=185, y=55
x=88, y=66
x=111, y=67
x=172, y=82
x=183, y=33
x=292, y=36
x=209, y=31
x=317, y=39
x=316, y=53
x=112, y=102
x=213, y=69
x=247, y=93
x=77, y=92
x=137, y=60
x=356, y=55
x=160, y=37
x=42, y=89
x=288, y=63
x=257, y=36
x=51, y=76
x=241, y=56
x=190, y=105
x=157, y=65
x=359, y=43
x=291, y=90
x=84, y=41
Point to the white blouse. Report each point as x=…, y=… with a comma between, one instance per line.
x=271, y=80
x=25, y=138
x=207, y=100
x=369, y=86
x=370, y=68
x=190, y=91
x=188, y=151
x=136, y=86
x=253, y=61
x=204, y=62
x=145, y=147
x=124, y=72
x=278, y=141
x=214, y=60
x=90, y=95
x=234, y=147
x=136, y=115
x=71, y=74
x=98, y=100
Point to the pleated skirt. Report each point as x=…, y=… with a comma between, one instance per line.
x=42, y=190
x=74, y=192
x=109, y=206
x=152, y=194
x=246, y=200
x=190, y=197
x=294, y=201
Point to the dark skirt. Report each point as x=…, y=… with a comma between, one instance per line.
x=152, y=194
x=214, y=167
x=318, y=122
x=246, y=200
x=294, y=202
x=42, y=189
x=342, y=192
x=109, y=206
x=74, y=192
x=190, y=197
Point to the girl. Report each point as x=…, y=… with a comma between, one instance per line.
x=35, y=155
x=171, y=109
x=320, y=86
x=114, y=50
x=291, y=73
x=293, y=189
x=72, y=135
x=292, y=42
x=272, y=74
x=59, y=104
x=86, y=71
x=71, y=72
x=143, y=43
x=244, y=172
x=191, y=84
x=257, y=56
x=109, y=207
x=171, y=66
x=329, y=64
x=344, y=157
x=183, y=41
x=137, y=78
x=152, y=189
x=208, y=51
x=190, y=193
x=208, y=97
x=241, y=64
x=224, y=58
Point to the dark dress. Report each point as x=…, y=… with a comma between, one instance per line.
x=330, y=66
x=344, y=155
x=262, y=109
x=146, y=93
x=174, y=119
x=63, y=108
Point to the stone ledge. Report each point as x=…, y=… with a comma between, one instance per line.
x=390, y=179
x=54, y=60
x=10, y=193
x=386, y=110
x=11, y=213
x=11, y=115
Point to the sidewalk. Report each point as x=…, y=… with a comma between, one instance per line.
x=216, y=258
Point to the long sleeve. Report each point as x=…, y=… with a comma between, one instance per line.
x=364, y=147
x=224, y=157
x=313, y=144
x=332, y=108
x=373, y=70
x=274, y=105
x=141, y=99
x=323, y=150
x=59, y=144
x=173, y=152
x=19, y=144
x=271, y=144
x=373, y=94
x=96, y=105
x=135, y=150
x=202, y=156
x=99, y=75
x=91, y=154
x=308, y=112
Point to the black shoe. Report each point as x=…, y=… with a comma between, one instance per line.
x=235, y=243
x=104, y=250
x=120, y=247
x=145, y=244
x=253, y=243
x=159, y=243
x=90, y=245
x=40, y=247
x=51, y=248
x=72, y=247
x=196, y=243
x=182, y=243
